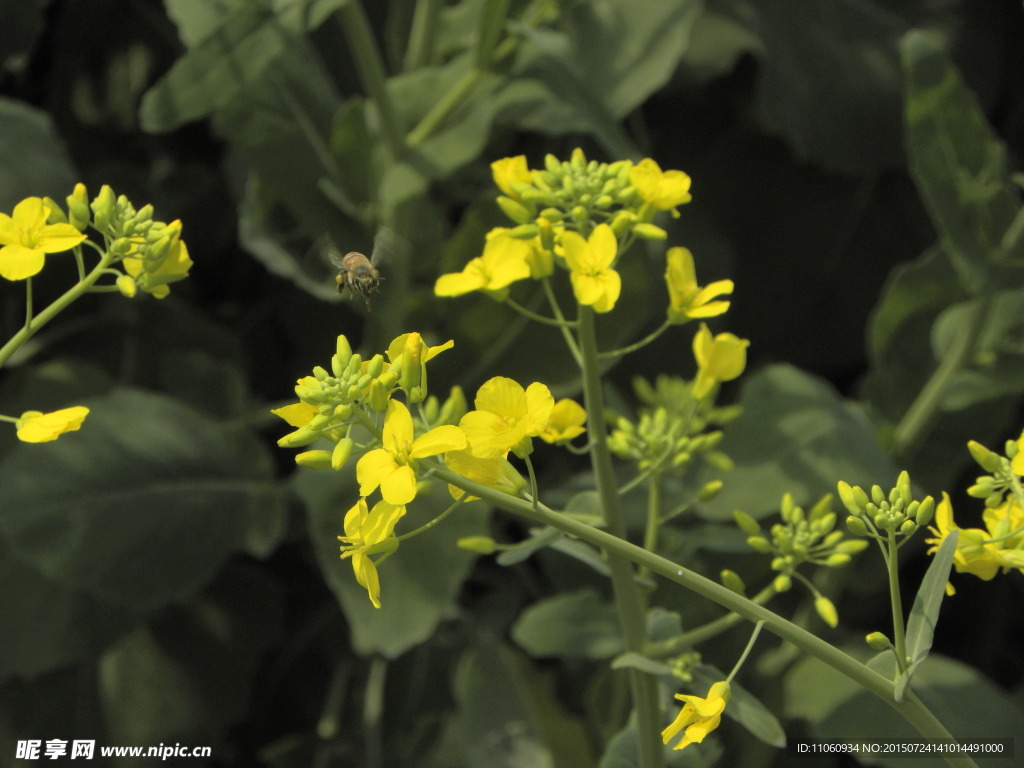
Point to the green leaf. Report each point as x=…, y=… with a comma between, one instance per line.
x=141, y=506
x=743, y=707
x=419, y=582
x=33, y=160
x=574, y=625
x=925, y=613
x=969, y=705
x=795, y=435
x=959, y=166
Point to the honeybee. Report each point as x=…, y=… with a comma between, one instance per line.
x=357, y=272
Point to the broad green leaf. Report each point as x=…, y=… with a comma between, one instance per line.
x=833, y=65
x=575, y=625
x=33, y=160
x=722, y=33
x=189, y=675
x=795, y=435
x=509, y=715
x=969, y=705
x=743, y=706
x=925, y=613
x=141, y=506
x=958, y=164
x=419, y=582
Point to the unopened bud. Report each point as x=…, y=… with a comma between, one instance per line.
x=748, y=525
x=826, y=610
x=732, y=582
x=878, y=641
x=482, y=545
x=989, y=461
x=341, y=453
x=314, y=459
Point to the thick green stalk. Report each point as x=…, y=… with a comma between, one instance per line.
x=911, y=708
x=425, y=19
x=629, y=600
x=899, y=635
x=370, y=65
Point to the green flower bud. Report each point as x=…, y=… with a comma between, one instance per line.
x=301, y=437
x=878, y=495
x=908, y=527
x=989, y=461
x=482, y=545
x=925, y=511
x=849, y=499
x=759, y=544
x=343, y=412
x=826, y=610
x=320, y=422
x=553, y=215
x=355, y=365
x=851, y=546
x=983, y=488
x=826, y=523
x=341, y=453
x=579, y=214
x=903, y=487
x=622, y=222
x=103, y=209
x=994, y=500
x=314, y=459
x=857, y=526
x=732, y=582
x=454, y=408
x=515, y=210
x=647, y=231
x=56, y=213
x=604, y=201
x=524, y=231
x=375, y=366
x=578, y=159
x=78, y=208
x=782, y=583
x=710, y=490
x=378, y=395
x=553, y=165
x=126, y=285
x=878, y=641
x=343, y=350
x=836, y=560
x=320, y=373
x=747, y=523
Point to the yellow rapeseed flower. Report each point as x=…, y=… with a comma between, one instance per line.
x=27, y=238
x=39, y=427
x=369, y=532
x=594, y=282
x=662, y=189
x=566, y=422
x=698, y=716
x=509, y=171
x=719, y=358
x=496, y=473
x=393, y=466
x=506, y=417
x=687, y=300
x=504, y=261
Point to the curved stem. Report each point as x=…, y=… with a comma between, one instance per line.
x=538, y=318
x=638, y=345
x=556, y=310
x=629, y=600
x=676, y=645
x=911, y=708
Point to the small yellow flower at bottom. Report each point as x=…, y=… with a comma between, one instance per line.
x=369, y=532
x=719, y=358
x=39, y=427
x=698, y=716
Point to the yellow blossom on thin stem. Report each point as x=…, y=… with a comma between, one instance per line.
x=39, y=427
x=719, y=358
x=982, y=552
x=504, y=261
x=687, y=300
x=369, y=532
x=699, y=716
x=393, y=466
x=566, y=422
x=27, y=238
x=594, y=282
x=496, y=473
x=506, y=417
x=664, y=190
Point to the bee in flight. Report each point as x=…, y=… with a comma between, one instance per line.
x=357, y=272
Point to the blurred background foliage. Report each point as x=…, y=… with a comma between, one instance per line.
x=166, y=574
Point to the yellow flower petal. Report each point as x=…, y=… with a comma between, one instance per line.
x=489, y=435
x=438, y=440
x=296, y=414
x=55, y=238
x=458, y=283
x=372, y=468
x=38, y=427
x=18, y=262
x=399, y=487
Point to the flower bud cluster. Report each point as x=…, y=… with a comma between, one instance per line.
x=657, y=440
x=801, y=537
x=895, y=513
x=1003, y=477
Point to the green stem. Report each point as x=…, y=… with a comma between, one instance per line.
x=420, y=52
x=34, y=324
x=922, y=413
x=370, y=65
x=538, y=318
x=899, y=636
x=910, y=707
x=653, y=519
x=556, y=310
x=445, y=107
x=680, y=643
x=629, y=599
x=638, y=345
x=746, y=651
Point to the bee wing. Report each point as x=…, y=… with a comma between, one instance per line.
x=386, y=246
x=325, y=244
